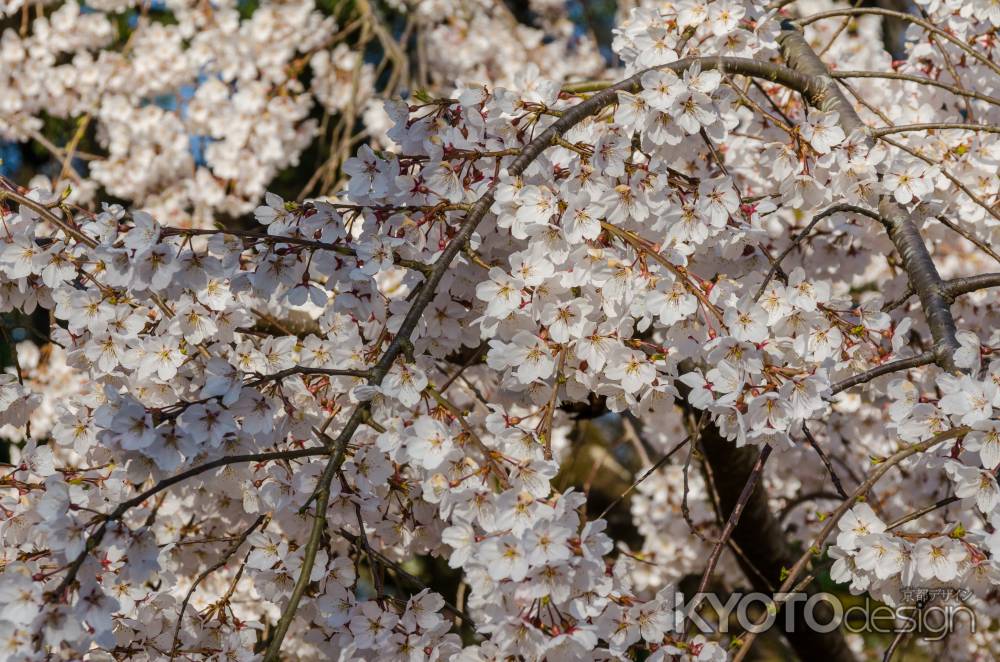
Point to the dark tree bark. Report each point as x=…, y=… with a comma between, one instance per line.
x=760, y=536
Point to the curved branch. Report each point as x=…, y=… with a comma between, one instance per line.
x=826, y=95
x=829, y=211
x=910, y=18
x=95, y=540
x=816, y=546
x=902, y=229
x=891, y=75
x=979, y=243
x=477, y=212
x=886, y=368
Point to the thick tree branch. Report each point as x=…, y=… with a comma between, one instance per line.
x=735, y=468
x=902, y=229
x=956, y=287
x=925, y=280
x=477, y=212
x=823, y=93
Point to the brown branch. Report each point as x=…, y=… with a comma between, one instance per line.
x=893, y=304
x=934, y=126
x=890, y=75
x=94, y=540
x=916, y=514
x=659, y=463
x=759, y=533
x=734, y=515
x=923, y=359
x=831, y=523
x=956, y=287
x=926, y=282
x=474, y=216
x=797, y=239
x=223, y=560
x=47, y=214
x=979, y=243
x=826, y=461
x=902, y=229
x=910, y=18
x=306, y=371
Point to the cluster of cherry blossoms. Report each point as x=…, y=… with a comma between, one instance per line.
x=190, y=111
x=236, y=442
x=882, y=558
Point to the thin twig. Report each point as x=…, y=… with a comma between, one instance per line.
x=826, y=461
x=734, y=518
x=831, y=523
x=886, y=368
x=916, y=514
x=804, y=232
x=223, y=560
x=646, y=474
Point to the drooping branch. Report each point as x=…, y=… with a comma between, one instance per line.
x=976, y=241
x=95, y=539
x=909, y=18
x=950, y=290
x=734, y=515
x=397, y=346
x=798, y=238
x=477, y=212
x=902, y=229
x=312, y=545
x=799, y=567
x=734, y=468
x=921, y=80
x=926, y=358
x=837, y=483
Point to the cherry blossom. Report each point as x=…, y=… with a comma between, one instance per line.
x=577, y=325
